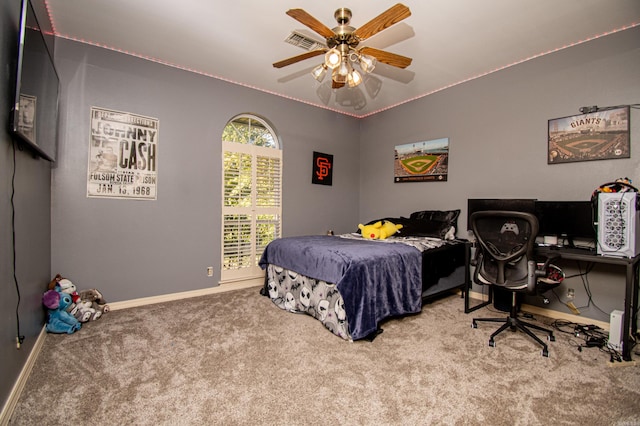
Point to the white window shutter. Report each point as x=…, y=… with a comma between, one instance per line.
x=251, y=205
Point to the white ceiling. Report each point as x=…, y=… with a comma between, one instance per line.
x=450, y=41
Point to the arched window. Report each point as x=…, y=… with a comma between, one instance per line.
x=251, y=195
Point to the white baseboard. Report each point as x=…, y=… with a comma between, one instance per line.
x=237, y=285
x=18, y=386
x=549, y=313
x=564, y=316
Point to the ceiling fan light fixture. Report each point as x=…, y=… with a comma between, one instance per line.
x=319, y=72
x=354, y=78
x=340, y=50
x=344, y=68
x=338, y=78
x=367, y=63
x=332, y=58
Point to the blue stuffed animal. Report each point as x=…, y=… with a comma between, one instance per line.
x=58, y=319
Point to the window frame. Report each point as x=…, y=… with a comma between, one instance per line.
x=264, y=155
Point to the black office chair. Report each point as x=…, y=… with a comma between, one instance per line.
x=504, y=258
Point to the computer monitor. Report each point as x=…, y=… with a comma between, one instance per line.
x=527, y=205
x=566, y=219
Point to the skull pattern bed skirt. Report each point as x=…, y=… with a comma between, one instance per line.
x=297, y=293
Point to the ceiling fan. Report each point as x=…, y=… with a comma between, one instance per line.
x=341, y=52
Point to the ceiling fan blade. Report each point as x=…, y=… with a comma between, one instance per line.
x=311, y=22
x=299, y=58
x=387, y=57
x=386, y=19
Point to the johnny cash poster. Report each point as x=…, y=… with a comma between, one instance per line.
x=123, y=155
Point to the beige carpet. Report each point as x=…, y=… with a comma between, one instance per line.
x=235, y=358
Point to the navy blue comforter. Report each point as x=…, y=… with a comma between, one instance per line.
x=377, y=280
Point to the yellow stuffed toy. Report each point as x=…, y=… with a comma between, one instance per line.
x=371, y=232
x=388, y=229
x=379, y=230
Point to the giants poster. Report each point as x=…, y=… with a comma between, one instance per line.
x=123, y=155
x=423, y=161
x=599, y=135
x=322, y=169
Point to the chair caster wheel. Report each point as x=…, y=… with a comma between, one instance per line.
x=492, y=343
x=551, y=338
x=545, y=353
x=474, y=325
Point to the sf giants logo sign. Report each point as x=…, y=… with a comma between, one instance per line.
x=322, y=169
x=324, y=166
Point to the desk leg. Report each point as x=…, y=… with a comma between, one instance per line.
x=636, y=288
x=467, y=296
x=629, y=309
x=468, y=308
x=636, y=283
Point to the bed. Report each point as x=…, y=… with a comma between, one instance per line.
x=352, y=284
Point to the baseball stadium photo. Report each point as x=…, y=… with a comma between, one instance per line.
x=599, y=135
x=422, y=161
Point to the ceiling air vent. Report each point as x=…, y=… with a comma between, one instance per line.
x=304, y=42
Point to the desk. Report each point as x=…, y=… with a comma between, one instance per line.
x=630, y=324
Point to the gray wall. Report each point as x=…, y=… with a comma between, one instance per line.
x=32, y=204
x=497, y=130
x=131, y=249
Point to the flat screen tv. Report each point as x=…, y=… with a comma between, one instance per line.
x=35, y=110
x=568, y=219
x=527, y=205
